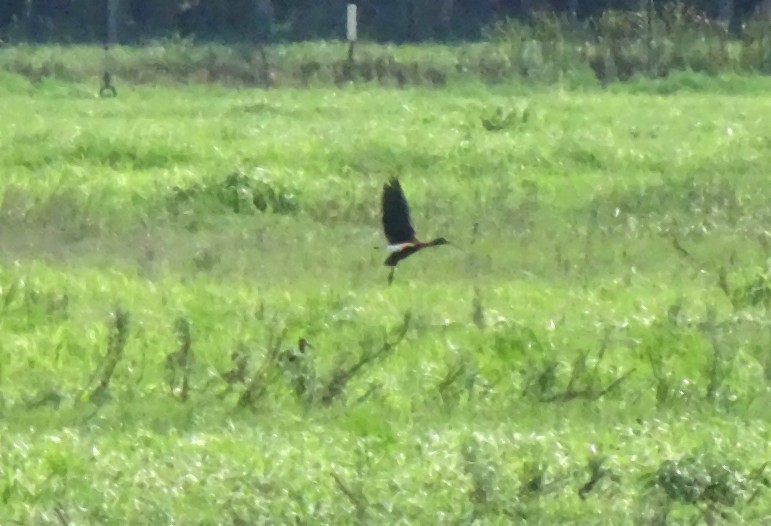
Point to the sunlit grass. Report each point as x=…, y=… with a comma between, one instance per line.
x=602, y=313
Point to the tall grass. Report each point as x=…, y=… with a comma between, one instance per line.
x=594, y=349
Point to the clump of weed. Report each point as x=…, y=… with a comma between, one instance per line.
x=37, y=306
x=754, y=291
x=708, y=485
x=692, y=480
x=518, y=340
x=679, y=347
x=257, y=386
x=116, y=344
x=333, y=388
x=585, y=380
x=179, y=362
x=597, y=473
x=458, y=382
x=721, y=361
x=536, y=481
x=299, y=368
x=674, y=353
x=501, y=118
x=236, y=375
x=478, y=310
x=240, y=193
x=51, y=398
x=205, y=260
x=481, y=470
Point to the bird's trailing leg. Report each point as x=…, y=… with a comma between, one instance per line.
x=391, y=274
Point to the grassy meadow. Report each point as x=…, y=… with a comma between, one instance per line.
x=594, y=349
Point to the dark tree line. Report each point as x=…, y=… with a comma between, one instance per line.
x=281, y=20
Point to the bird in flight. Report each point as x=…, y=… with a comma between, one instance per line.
x=398, y=229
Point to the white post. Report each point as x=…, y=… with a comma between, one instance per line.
x=351, y=23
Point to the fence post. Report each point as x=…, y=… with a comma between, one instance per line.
x=350, y=30
x=107, y=87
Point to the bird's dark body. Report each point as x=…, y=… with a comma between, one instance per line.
x=394, y=258
x=398, y=228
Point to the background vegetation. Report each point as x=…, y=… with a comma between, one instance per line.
x=546, y=48
x=84, y=21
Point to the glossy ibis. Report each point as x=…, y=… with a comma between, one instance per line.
x=398, y=229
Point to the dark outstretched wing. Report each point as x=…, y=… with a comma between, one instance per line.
x=396, y=214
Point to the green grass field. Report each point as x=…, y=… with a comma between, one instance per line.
x=595, y=349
